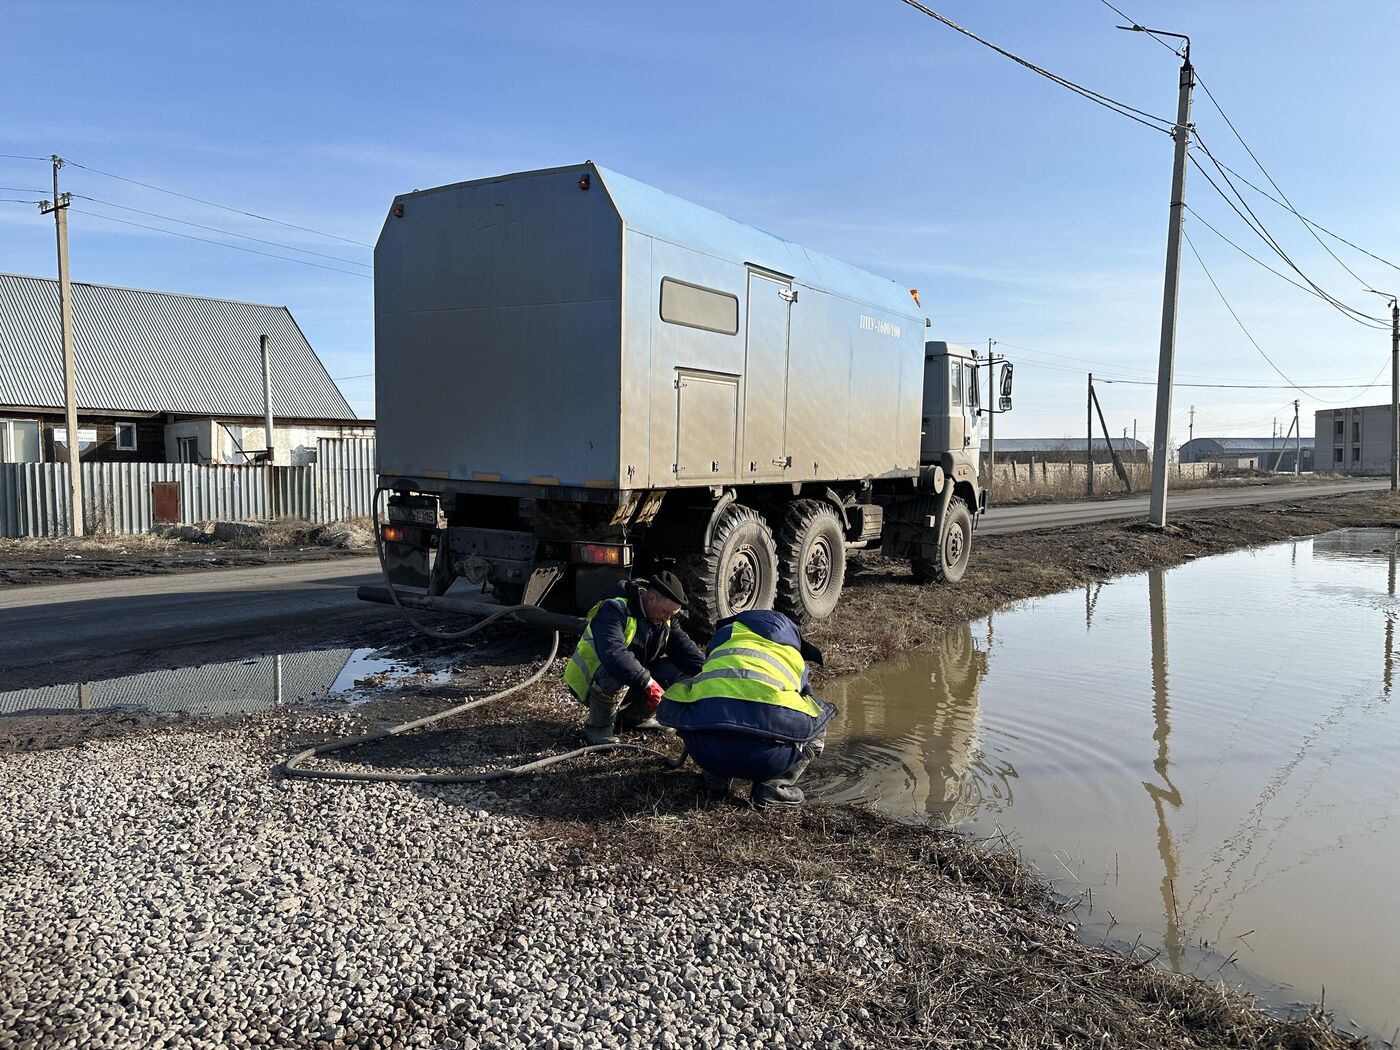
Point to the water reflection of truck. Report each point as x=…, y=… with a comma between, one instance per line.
x=579, y=377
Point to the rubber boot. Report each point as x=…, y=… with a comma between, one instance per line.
x=772, y=795
x=598, y=729
x=715, y=785
x=782, y=792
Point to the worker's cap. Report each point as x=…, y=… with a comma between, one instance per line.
x=668, y=585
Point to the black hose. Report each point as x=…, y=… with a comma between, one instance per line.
x=294, y=767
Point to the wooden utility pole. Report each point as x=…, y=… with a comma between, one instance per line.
x=59, y=207
x=1166, y=364
x=1089, y=438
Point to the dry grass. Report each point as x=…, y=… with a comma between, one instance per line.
x=1060, y=489
x=97, y=543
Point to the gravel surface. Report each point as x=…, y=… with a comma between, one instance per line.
x=172, y=891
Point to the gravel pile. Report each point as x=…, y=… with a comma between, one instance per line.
x=169, y=890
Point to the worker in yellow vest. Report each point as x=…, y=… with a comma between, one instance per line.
x=750, y=713
x=631, y=650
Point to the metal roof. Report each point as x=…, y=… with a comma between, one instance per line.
x=142, y=351
x=1231, y=446
x=1063, y=444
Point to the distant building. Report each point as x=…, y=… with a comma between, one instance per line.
x=1354, y=440
x=1066, y=450
x=1231, y=453
x=160, y=378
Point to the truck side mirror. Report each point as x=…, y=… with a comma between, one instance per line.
x=1006, y=379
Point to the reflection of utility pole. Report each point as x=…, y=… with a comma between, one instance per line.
x=59, y=207
x=1170, y=795
x=1389, y=626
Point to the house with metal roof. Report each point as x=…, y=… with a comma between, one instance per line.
x=1066, y=450
x=161, y=378
x=1249, y=453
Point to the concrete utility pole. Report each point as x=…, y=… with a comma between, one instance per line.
x=59, y=207
x=1166, y=365
x=1190, y=427
x=1394, y=388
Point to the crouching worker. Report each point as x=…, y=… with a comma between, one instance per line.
x=750, y=713
x=629, y=653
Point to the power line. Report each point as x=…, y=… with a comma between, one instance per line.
x=1245, y=330
x=215, y=229
x=363, y=375
x=1250, y=386
x=222, y=244
x=22, y=189
x=1259, y=164
x=16, y=156
x=215, y=204
x=15, y=200
x=1257, y=227
x=1310, y=222
x=1256, y=260
x=1121, y=108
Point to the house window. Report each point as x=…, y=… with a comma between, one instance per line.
x=1340, y=430
x=19, y=441
x=1356, y=431
x=126, y=437
x=1356, y=455
x=697, y=307
x=187, y=449
x=1337, y=456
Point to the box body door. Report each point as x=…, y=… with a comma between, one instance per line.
x=766, y=377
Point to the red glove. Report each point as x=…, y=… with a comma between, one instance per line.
x=654, y=694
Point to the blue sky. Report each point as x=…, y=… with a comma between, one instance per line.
x=861, y=128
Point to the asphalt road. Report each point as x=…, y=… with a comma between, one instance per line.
x=96, y=629
x=104, y=628
x=1052, y=515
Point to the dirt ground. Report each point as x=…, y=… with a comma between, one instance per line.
x=977, y=951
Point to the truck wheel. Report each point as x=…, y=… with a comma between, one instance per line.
x=949, y=565
x=737, y=573
x=811, y=560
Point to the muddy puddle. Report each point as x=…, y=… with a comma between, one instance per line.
x=1208, y=752
x=238, y=687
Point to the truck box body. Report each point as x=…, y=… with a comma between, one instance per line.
x=574, y=329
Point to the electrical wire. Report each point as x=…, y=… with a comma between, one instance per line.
x=1246, y=331
x=1259, y=164
x=216, y=229
x=1121, y=108
x=16, y=156
x=22, y=189
x=1257, y=227
x=223, y=244
x=1133, y=24
x=215, y=204
x=16, y=200
x=362, y=375
x=1315, y=225
x=1253, y=258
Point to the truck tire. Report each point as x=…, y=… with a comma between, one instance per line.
x=811, y=560
x=949, y=565
x=738, y=572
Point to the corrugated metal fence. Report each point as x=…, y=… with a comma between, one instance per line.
x=119, y=498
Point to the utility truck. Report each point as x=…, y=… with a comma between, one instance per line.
x=580, y=378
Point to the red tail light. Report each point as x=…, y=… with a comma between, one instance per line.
x=601, y=554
